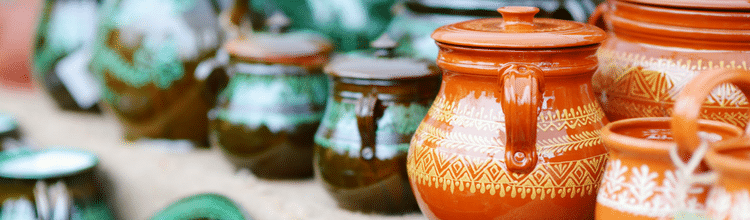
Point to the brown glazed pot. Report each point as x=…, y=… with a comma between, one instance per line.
x=655, y=47
x=376, y=104
x=514, y=130
x=266, y=116
x=640, y=179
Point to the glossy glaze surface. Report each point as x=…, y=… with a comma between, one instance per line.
x=62, y=49
x=266, y=122
x=640, y=180
x=649, y=58
x=513, y=133
x=362, y=143
x=145, y=55
x=731, y=193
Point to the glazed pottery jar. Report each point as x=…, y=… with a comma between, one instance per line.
x=351, y=24
x=375, y=104
x=266, y=117
x=514, y=130
x=415, y=20
x=642, y=180
x=656, y=47
x=62, y=51
x=145, y=55
x=10, y=134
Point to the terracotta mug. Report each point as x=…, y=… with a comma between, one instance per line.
x=728, y=197
x=641, y=180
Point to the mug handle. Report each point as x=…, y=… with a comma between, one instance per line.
x=522, y=89
x=367, y=123
x=597, y=17
x=212, y=75
x=684, y=123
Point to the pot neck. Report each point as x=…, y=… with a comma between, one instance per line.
x=405, y=90
x=678, y=25
x=556, y=62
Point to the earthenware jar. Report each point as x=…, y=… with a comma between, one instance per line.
x=375, y=104
x=728, y=197
x=62, y=51
x=266, y=117
x=514, y=130
x=202, y=206
x=145, y=55
x=642, y=180
x=415, y=20
x=655, y=47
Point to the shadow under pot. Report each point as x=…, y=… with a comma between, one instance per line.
x=374, y=108
x=267, y=114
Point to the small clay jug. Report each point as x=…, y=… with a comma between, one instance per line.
x=376, y=102
x=655, y=47
x=728, y=160
x=643, y=180
x=266, y=116
x=514, y=130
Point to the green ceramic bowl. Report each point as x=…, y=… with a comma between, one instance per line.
x=45, y=164
x=202, y=206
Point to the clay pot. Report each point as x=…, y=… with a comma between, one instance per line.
x=145, y=55
x=266, y=117
x=641, y=180
x=514, y=130
x=376, y=103
x=728, y=197
x=62, y=52
x=655, y=47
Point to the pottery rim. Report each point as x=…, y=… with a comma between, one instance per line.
x=642, y=146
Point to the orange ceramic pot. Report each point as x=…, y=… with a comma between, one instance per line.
x=729, y=197
x=655, y=47
x=641, y=180
x=514, y=130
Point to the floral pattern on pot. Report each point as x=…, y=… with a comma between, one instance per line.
x=723, y=204
x=643, y=190
x=280, y=102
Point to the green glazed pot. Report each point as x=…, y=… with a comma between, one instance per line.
x=351, y=24
x=375, y=105
x=265, y=118
x=145, y=55
x=62, y=51
x=202, y=206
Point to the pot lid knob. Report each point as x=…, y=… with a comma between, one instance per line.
x=384, y=46
x=278, y=22
x=518, y=19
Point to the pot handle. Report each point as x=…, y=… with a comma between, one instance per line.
x=212, y=75
x=597, y=18
x=687, y=108
x=522, y=89
x=367, y=123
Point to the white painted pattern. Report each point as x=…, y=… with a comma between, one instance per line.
x=641, y=191
x=725, y=205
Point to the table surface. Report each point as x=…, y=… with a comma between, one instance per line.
x=145, y=179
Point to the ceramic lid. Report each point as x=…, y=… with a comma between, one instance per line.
x=303, y=48
x=519, y=29
x=380, y=64
x=698, y=4
x=45, y=164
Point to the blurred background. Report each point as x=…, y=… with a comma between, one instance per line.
x=104, y=75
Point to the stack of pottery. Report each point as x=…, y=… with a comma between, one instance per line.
x=514, y=130
x=265, y=118
x=145, y=54
x=656, y=47
x=376, y=103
